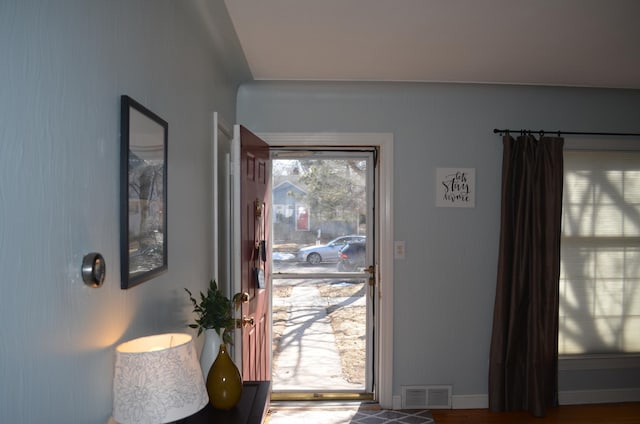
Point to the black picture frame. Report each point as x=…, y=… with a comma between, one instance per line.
x=143, y=193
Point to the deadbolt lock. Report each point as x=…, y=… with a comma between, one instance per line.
x=240, y=298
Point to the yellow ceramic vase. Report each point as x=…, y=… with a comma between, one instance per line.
x=224, y=383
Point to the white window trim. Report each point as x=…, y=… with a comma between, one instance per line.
x=598, y=362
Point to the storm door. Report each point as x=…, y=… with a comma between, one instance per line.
x=323, y=255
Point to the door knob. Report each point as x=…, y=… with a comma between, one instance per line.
x=248, y=321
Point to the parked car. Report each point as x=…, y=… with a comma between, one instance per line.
x=327, y=252
x=352, y=256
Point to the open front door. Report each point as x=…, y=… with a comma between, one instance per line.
x=253, y=167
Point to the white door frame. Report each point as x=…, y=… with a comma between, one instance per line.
x=384, y=232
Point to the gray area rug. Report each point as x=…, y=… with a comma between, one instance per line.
x=347, y=415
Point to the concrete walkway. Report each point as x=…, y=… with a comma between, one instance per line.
x=309, y=358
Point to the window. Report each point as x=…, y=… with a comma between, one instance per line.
x=600, y=259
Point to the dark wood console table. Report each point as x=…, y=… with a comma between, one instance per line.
x=251, y=409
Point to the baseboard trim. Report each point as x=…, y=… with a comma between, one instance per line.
x=469, y=401
x=567, y=397
x=580, y=397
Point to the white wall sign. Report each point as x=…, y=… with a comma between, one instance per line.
x=455, y=187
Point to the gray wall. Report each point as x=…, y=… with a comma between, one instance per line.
x=63, y=66
x=444, y=289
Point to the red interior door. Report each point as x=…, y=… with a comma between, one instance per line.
x=254, y=207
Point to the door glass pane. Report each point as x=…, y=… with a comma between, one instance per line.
x=321, y=247
x=319, y=207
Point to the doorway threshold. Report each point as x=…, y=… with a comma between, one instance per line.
x=321, y=396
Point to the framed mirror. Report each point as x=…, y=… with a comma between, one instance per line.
x=143, y=193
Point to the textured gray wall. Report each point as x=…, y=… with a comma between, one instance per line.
x=63, y=67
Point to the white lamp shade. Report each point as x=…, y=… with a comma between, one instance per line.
x=157, y=379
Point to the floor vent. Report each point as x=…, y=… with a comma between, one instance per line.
x=429, y=397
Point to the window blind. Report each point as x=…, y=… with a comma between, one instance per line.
x=600, y=255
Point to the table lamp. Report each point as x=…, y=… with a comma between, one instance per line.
x=157, y=379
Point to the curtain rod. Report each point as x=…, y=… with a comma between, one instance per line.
x=559, y=133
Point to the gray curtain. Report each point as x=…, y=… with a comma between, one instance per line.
x=523, y=367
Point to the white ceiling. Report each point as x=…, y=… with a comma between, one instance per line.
x=548, y=42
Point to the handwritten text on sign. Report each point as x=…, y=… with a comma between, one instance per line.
x=455, y=187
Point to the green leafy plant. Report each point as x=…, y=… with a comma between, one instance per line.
x=215, y=311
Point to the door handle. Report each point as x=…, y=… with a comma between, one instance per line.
x=248, y=321
x=372, y=273
x=258, y=208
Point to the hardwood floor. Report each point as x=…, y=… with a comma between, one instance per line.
x=619, y=413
